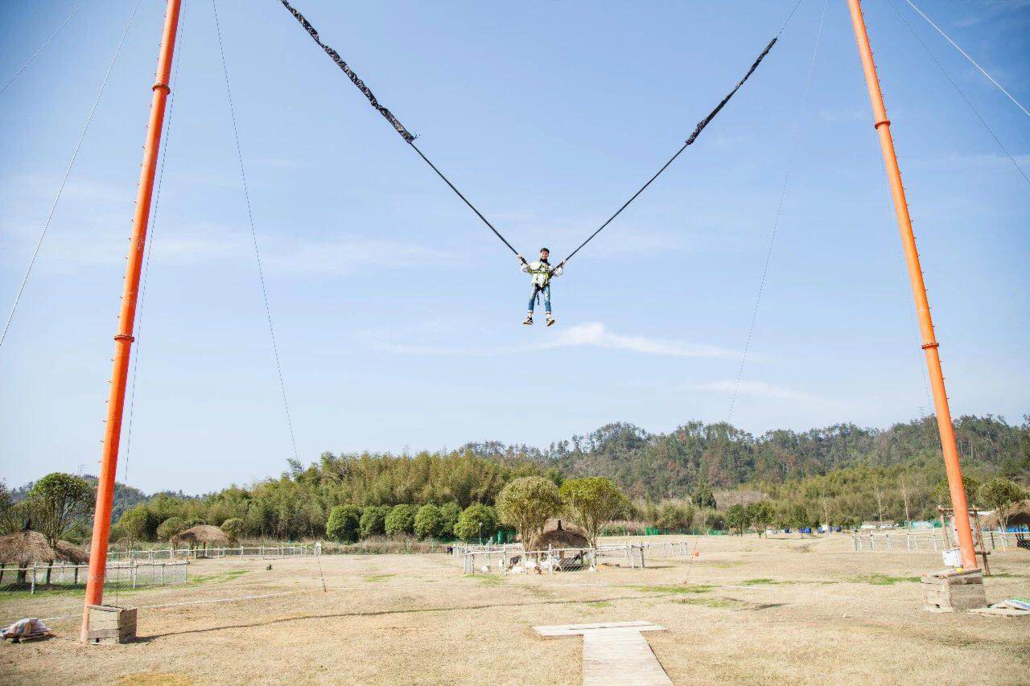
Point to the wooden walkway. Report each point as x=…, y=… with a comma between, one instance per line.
x=614, y=652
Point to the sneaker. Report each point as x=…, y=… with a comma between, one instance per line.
x=551, y=320
x=528, y=321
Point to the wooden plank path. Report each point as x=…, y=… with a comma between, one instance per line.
x=614, y=652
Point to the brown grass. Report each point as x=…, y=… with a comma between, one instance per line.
x=814, y=618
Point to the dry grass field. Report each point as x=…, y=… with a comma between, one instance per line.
x=744, y=611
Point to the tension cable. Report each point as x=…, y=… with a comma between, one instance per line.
x=408, y=137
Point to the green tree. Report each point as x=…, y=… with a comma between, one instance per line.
x=450, y=513
x=344, y=524
x=233, y=528
x=737, y=518
x=476, y=521
x=170, y=527
x=942, y=494
x=59, y=501
x=139, y=524
x=12, y=515
x=429, y=522
x=592, y=502
x=401, y=520
x=703, y=496
x=373, y=520
x=761, y=515
x=1000, y=494
x=527, y=503
x=794, y=515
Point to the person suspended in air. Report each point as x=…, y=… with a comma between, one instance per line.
x=542, y=272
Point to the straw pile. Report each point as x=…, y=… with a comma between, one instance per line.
x=26, y=548
x=201, y=535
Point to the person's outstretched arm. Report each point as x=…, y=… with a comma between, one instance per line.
x=524, y=265
x=559, y=270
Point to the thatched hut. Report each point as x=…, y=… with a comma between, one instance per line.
x=26, y=548
x=200, y=536
x=1018, y=515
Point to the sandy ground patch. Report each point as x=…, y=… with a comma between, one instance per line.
x=744, y=611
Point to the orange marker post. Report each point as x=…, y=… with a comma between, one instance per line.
x=915, y=275
x=123, y=339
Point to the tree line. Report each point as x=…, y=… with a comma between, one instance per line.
x=696, y=478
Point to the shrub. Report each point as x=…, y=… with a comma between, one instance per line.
x=527, y=503
x=170, y=527
x=429, y=522
x=373, y=521
x=674, y=516
x=477, y=520
x=344, y=523
x=401, y=520
x=234, y=528
x=450, y=512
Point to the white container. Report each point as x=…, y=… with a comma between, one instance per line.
x=952, y=558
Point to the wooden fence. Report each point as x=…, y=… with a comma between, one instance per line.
x=122, y=575
x=932, y=541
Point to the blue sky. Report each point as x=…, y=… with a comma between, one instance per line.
x=398, y=314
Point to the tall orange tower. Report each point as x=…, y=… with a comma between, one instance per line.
x=915, y=275
x=123, y=338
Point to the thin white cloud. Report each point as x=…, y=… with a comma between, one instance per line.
x=92, y=244
x=346, y=254
x=592, y=334
x=595, y=334
x=758, y=389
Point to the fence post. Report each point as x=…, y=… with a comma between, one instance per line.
x=629, y=556
x=642, y=565
x=32, y=591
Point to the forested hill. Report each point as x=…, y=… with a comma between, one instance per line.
x=656, y=466
x=844, y=473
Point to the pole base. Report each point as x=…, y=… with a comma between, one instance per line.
x=110, y=624
x=953, y=591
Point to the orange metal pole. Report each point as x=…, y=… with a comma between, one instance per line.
x=915, y=275
x=123, y=339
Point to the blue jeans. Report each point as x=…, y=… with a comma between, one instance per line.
x=546, y=290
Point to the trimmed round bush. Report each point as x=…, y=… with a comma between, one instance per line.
x=429, y=522
x=450, y=513
x=477, y=520
x=373, y=521
x=344, y=524
x=401, y=520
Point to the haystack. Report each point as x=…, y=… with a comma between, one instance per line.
x=561, y=537
x=201, y=535
x=26, y=548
